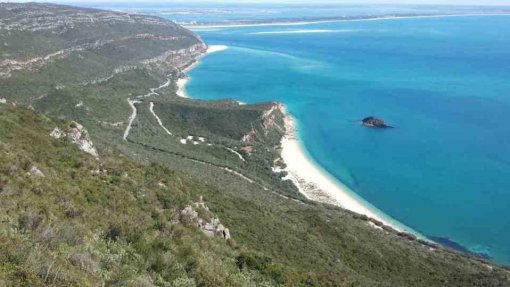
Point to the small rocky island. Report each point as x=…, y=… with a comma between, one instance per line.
x=373, y=122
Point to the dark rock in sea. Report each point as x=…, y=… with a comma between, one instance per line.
x=373, y=122
x=456, y=246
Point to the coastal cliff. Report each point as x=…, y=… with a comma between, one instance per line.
x=108, y=177
x=51, y=47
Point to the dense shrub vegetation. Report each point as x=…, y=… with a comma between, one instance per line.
x=70, y=219
x=86, y=221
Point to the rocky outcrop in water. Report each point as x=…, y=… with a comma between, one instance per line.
x=373, y=122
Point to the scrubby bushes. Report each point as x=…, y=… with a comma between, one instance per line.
x=123, y=227
x=78, y=227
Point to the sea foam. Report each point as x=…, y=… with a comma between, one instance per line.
x=303, y=31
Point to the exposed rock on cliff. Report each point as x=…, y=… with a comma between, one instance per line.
x=35, y=171
x=272, y=116
x=81, y=31
x=78, y=135
x=271, y=120
x=199, y=214
x=175, y=60
x=249, y=137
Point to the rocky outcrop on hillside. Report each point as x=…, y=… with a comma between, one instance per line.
x=116, y=71
x=78, y=135
x=199, y=214
x=7, y=66
x=249, y=137
x=175, y=60
x=272, y=119
x=35, y=171
x=59, y=18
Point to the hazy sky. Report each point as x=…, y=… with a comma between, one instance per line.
x=448, y=2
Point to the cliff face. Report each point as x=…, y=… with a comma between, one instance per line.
x=177, y=60
x=35, y=35
x=49, y=42
x=82, y=64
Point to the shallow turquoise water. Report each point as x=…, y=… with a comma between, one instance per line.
x=443, y=82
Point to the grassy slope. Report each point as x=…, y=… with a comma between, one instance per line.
x=278, y=236
x=76, y=227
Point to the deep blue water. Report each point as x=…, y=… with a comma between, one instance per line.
x=443, y=82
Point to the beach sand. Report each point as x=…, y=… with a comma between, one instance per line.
x=181, y=82
x=318, y=185
x=200, y=27
x=312, y=181
x=216, y=48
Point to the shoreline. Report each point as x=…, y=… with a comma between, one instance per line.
x=308, y=176
x=309, y=22
x=183, y=80
x=181, y=84
x=317, y=184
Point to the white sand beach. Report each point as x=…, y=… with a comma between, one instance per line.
x=313, y=182
x=181, y=82
x=216, y=48
x=200, y=27
x=318, y=185
x=181, y=87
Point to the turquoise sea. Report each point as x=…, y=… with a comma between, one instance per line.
x=443, y=82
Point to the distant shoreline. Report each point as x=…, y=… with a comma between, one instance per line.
x=235, y=24
x=183, y=80
x=318, y=185
x=308, y=176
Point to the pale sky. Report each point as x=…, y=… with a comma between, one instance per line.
x=445, y=2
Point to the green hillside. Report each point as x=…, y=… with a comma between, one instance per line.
x=108, y=178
